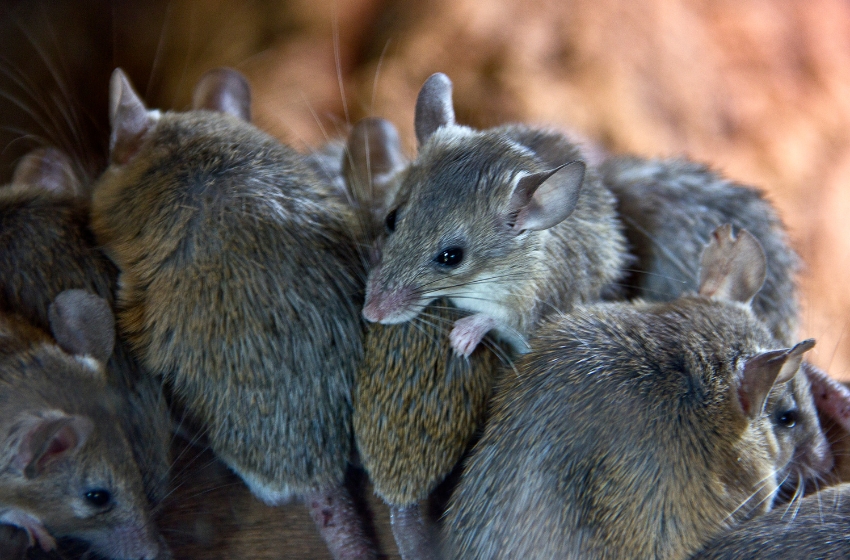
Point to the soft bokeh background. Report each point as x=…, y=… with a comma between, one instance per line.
x=760, y=89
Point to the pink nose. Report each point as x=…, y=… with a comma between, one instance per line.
x=387, y=306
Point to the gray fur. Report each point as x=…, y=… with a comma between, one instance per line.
x=669, y=208
x=816, y=528
x=458, y=193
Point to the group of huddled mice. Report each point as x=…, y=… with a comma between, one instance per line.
x=605, y=344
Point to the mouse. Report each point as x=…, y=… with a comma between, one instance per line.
x=239, y=287
x=632, y=429
x=669, y=207
x=507, y=223
x=47, y=247
x=66, y=467
x=814, y=528
x=417, y=405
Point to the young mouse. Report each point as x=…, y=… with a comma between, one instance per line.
x=66, y=467
x=814, y=528
x=507, y=223
x=632, y=430
x=416, y=403
x=669, y=207
x=46, y=247
x=239, y=287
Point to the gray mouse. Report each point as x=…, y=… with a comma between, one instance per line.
x=46, y=247
x=633, y=430
x=669, y=207
x=417, y=404
x=66, y=467
x=239, y=283
x=507, y=223
x=815, y=528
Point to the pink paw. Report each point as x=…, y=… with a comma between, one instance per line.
x=32, y=525
x=469, y=331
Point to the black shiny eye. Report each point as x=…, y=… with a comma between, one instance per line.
x=98, y=498
x=450, y=257
x=787, y=418
x=390, y=221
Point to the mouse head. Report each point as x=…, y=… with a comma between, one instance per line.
x=769, y=390
x=468, y=214
x=46, y=171
x=68, y=468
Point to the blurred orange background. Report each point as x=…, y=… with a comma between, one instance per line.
x=759, y=89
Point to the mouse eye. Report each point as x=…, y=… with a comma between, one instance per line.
x=390, y=221
x=450, y=257
x=787, y=418
x=98, y=498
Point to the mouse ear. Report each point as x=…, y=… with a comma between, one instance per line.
x=83, y=324
x=225, y=90
x=372, y=158
x=832, y=398
x=433, y=106
x=732, y=268
x=48, y=169
x=762, y=371
x=129, y=118
x=543, y=200
x=40, y=438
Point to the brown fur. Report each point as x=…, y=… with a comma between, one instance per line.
x=235, y=288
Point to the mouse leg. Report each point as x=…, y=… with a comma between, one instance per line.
x=413, y=534
x=36, y=532
x=340, y=525
x=469, y=331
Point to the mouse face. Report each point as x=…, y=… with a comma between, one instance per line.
x=803, y=452
x=67, y=468
x=451, y=232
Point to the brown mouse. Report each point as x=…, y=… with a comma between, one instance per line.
x=506, y=223
x=239, y=287
x=815, y=528
x=416, y=403
x=669, y=207
x=632, y=430
x=66, y=466
x=46, y=247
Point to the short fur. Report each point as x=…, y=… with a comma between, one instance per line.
x=457, y=192
x=36, y=376
x=46, y=247
x=814, y=528
x=237, y=285
x=669, y=208
x=621, y=436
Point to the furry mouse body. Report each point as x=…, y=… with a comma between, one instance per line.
x=238, y=286
x=507, y=223
x=633, y=431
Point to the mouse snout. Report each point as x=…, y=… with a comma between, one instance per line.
x=389, y=306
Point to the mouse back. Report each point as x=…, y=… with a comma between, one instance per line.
x=624, y=417
x=68, y=469
x=239, y=280
x=669, y=207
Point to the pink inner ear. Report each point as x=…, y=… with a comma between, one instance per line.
x=47, y=438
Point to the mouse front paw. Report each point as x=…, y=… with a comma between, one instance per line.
x=469, y=331
x=36, y=532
